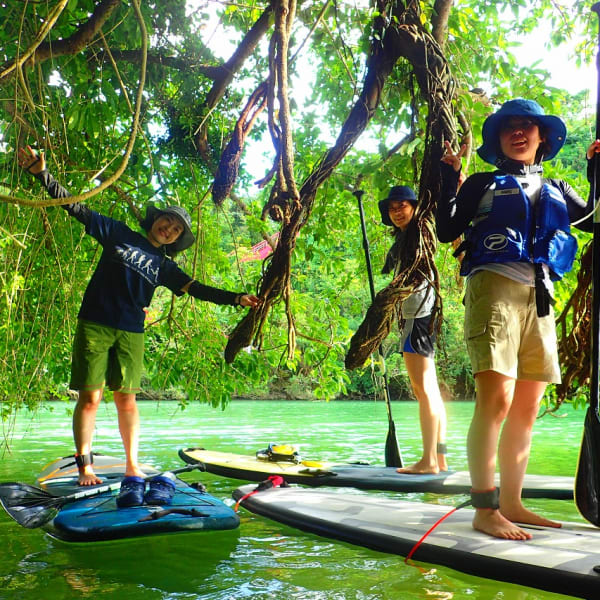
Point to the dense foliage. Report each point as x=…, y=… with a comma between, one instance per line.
x=69, y=79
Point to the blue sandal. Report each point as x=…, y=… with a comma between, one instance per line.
x=132, y=492
x=161, y=491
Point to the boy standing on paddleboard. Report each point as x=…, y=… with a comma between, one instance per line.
x=109, y=340
x=517, y=242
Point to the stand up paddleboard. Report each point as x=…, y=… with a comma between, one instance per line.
x=366, y=477
x=564, y=561
x=97, y=518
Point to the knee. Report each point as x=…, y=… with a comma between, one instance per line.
x=89, y=400
x=494, y=407
x=419, y=390
x=429, y=392
x=525, y=416
x=125, y=402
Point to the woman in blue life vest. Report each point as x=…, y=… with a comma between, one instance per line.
x=517, y=241
x=417, y=342
x=109, y=340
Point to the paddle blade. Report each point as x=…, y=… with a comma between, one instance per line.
x=29, y=506
x=392, y=452
x=587, y=479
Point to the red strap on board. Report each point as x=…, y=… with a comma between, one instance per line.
x=271, y=482
x=414, y=548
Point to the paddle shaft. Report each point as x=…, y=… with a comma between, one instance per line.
x=365, y=238
x=587, y=479
x=391, y=443
x=595, y=341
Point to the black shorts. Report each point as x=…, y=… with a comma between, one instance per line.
x=416, y=337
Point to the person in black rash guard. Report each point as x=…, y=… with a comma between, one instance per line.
x=109, y=341
x=516, y=226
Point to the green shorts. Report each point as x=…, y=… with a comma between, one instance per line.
x=503, y=332
x=105, y=355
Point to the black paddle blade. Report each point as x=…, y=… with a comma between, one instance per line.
x=392, y=452
x=587, y=479
x=29, y=506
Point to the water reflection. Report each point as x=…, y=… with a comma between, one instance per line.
x=263, y=560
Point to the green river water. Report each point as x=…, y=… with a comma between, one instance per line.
x=262, y=559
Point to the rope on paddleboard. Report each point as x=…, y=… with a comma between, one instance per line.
x=414, y=548
x=272, y=481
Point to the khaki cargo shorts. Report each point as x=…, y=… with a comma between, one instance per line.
x=103, y=354
x=503, y=332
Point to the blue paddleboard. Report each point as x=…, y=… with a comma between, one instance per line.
x=98, y=518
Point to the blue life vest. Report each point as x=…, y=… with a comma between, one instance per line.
x=513, y=232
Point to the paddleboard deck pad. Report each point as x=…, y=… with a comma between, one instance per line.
x=366, y=477
x=557, y=560
x=98, y=518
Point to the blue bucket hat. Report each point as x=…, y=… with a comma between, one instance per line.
x=186, y=239
x=555, y=131
x=397, y=193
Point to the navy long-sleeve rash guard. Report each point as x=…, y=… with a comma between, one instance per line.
x=129, y=270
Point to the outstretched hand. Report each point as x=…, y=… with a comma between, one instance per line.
x=30, y=161
x=250, y=300
x=593, y=148
x=452, y=159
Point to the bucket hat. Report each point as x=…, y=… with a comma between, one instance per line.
x=398, y=192
x=186, y=239
x=554, y=128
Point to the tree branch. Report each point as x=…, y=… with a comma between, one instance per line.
x=71, y=45
x=186, y=65
x=225, y=77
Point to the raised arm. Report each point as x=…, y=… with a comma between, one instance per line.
x=35, y=164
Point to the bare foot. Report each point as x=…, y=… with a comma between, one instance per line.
x=420, y=467
x=134, y=471
x=495, y=524
x=519, y=514
x=88, y=477
x=442, y=462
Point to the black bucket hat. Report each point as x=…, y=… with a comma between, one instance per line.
x=555, y=131
x=186, y=239
x=398, y=192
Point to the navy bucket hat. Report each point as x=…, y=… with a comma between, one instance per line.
x=398, y=192
x=555, y=131
x=186, y=239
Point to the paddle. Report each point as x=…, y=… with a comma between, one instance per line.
x=32, y=507
x=587, y=479
x=392, y=451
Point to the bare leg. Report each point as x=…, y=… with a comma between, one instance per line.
x=432, y=413
x=515, y=445
x=493, y=402
x=129, y=427
x=84, y=421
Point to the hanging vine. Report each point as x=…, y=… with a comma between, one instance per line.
x=130, y=143
x=397, y=32
x=437, y=86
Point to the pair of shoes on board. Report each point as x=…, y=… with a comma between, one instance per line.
x=133, y=491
